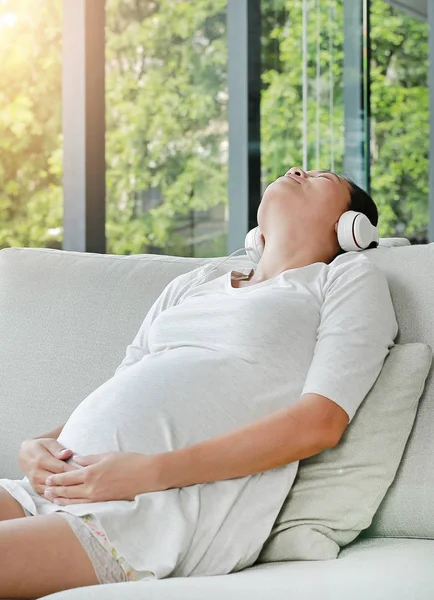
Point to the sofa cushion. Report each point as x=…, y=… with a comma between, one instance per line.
x=408, y=509
x=383, y=569
x=337, y=492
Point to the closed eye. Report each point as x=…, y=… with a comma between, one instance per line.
x=330, y=176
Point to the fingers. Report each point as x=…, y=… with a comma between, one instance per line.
x=64, y=453
x=49, y=466
x=38, y=484
x=65, y=479
x=59, y=492
x=56, y=449
x=66, y=486
x=66, y=501
x=67, y=467
x=55, y=465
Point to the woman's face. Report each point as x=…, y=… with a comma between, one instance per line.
x=312, y=200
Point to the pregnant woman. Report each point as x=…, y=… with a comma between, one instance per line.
x=179, y=464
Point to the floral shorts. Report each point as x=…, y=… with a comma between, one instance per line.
x=109, y=566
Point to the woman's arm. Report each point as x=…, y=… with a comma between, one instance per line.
x=303, y=429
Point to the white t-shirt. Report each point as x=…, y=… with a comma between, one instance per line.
x=207, y=359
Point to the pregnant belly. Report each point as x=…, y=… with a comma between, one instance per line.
x=169, y=400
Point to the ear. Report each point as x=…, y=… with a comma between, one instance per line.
x=336, y=226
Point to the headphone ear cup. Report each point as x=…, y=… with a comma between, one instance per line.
x=254, y=245
x=355, y=231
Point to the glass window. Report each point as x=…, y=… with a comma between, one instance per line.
x=167, y=125
x=302, y=107
x=31, y=203
x=399, y=122
x=315, y=100
x=167, y=130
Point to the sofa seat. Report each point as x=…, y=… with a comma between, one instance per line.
x=366, y=569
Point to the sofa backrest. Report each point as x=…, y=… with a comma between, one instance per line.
x=66, y=319
x=408, y=508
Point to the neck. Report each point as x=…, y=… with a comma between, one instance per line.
x=272, y=263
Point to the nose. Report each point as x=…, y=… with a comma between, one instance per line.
x=297, y=171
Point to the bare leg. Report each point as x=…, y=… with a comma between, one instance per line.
x=40, y=556
x=9, y=507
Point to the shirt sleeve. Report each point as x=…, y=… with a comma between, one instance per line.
x=170, y=296
x=357, y=328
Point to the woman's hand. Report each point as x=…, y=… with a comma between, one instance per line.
x=108, y=476
x=41, y=457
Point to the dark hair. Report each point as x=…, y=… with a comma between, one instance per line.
x=361, y=201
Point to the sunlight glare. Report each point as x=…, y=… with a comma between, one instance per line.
x=9, y=19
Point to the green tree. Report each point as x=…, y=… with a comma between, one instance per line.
x=282, y=95
x=30, y=123
x=167, y=130
x=166, y=120
x=400, y=124
x=399, y=104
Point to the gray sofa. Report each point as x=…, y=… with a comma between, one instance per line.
x=65, y=321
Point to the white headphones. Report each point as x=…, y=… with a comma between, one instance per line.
x=355, y=233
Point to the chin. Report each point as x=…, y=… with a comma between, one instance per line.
x=279, y=192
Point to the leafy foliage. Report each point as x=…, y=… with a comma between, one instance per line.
x=167, y=131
